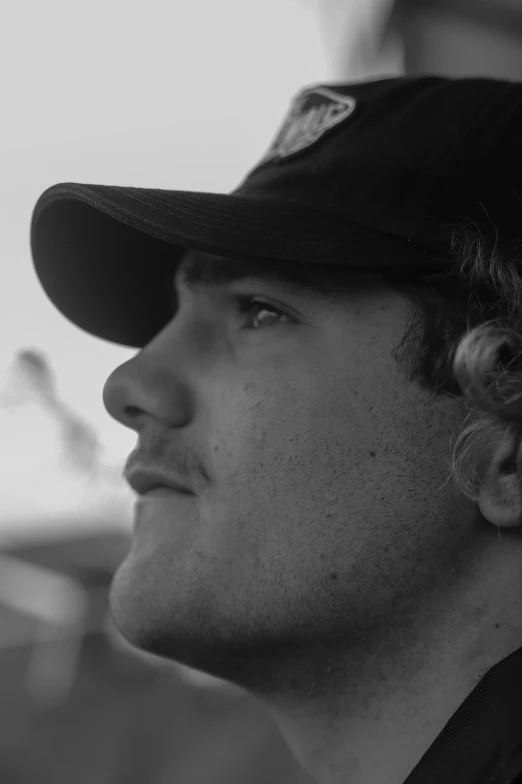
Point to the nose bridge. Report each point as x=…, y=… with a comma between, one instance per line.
x=188, y=336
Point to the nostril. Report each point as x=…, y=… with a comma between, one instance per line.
x=508, y=466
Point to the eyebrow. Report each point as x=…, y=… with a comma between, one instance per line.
x=196, y=270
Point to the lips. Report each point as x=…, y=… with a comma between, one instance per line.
x=143, y=480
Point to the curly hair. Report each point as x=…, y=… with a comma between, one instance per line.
x=464, y=339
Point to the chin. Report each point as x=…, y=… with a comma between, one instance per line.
x=130, y=609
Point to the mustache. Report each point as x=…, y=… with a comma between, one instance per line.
x=165, y=456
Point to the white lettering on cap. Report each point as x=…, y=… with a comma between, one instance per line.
x=312, y=113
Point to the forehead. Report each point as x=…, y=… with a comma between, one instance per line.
x=197, y=268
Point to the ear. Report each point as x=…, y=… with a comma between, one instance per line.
x=500, y=500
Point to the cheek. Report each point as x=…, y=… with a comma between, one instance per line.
x=290, y=441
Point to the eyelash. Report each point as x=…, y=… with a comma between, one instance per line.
x=245, y=304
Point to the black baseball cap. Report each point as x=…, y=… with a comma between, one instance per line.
x=368, y=175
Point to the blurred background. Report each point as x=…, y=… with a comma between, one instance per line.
x=170, y=95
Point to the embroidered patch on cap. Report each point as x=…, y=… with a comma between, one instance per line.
x=313, y=112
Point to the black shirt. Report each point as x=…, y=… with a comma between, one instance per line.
x=482, y=742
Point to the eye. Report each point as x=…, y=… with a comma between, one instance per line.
x=246, y=304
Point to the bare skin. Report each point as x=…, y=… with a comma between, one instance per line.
x=324, y=562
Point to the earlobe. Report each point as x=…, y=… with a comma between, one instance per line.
x=500, y=498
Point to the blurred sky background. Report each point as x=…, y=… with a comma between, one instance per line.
x=178, y=95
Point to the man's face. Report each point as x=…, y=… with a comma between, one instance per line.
x=319, y=509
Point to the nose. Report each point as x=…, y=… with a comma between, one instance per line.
x=144, y=388
x=162, y=380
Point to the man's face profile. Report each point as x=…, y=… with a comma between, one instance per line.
x=322, y=561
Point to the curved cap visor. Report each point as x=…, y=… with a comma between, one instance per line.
x=105, y=255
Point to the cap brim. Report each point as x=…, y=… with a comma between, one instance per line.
x=105, y=255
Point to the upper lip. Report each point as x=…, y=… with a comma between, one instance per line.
x=143, y=480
